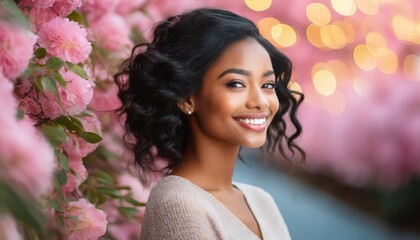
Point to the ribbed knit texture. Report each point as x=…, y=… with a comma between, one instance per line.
x=179, y=209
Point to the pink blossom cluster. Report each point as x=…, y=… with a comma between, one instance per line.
x=26, y=159
x=84, y=221
x=8, y=228
x=16, y=49
x=72, y=99
x=374, y=142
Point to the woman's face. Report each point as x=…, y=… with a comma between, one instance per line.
x=237, y=100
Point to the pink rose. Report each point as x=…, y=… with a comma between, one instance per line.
x=127, y=6
x=73, y=98
x=65, y=7
x=8, y=228
x=84, y=221
x=39, y=16
x=65, y=39
x=26, y=159
x=36, y=3
x=78, y=148
x=76, y=177
x=94, y=9
x=112, y=32
x=16, y=48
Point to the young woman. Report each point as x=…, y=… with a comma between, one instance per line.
x=206, y=85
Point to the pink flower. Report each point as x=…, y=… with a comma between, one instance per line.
x=65, y=7
x=84, y=221
x=7, y=100
x=112, y=32
x=94, y=9
x=105, y=101
x=65, y=39
x=127, y=6
x=26, y=159
x=142, y=23
x=36, y=3
x=73, y=98
x=76, y=177
x=8, y=228
x=16, y=48
x=78, y=148
x=39, y=17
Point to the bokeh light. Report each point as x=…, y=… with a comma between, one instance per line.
x=258, y=5
x=344, y=7
x=364, y=57
x=283, y=35
x=412, y=67
x=386, y=60
x=325, y=82
x=318, y=13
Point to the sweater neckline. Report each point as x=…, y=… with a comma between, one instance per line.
x=220, y=204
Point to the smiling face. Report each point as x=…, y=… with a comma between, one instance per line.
x=237, y=100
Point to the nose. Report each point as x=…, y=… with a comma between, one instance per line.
x=257, y=99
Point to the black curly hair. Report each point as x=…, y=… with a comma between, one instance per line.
x=164, y=72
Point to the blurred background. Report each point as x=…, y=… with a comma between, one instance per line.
x=358, y=64
x=62, y=161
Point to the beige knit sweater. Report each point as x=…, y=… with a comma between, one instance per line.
x=178, y=209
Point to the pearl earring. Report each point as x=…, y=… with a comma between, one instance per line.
x=189, y=112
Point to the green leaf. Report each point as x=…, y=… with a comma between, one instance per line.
x=128, y=211
x=133, y=201
x=90, y=137
x=63, y=160
x=20, y=114
x=77, y=17
x=38, y=85
x=61, y=176
x=24, y=209
x=109, y=191
x=48, y=83
x=70, y=124
x=54, y=203
x=16, y=13
x=56, y=135
x=77, y=70
x=54, y=63
x=59, y=78
x=40, y=53
x=104, y=178
x=58, y=189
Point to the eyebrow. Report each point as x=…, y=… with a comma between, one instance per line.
x=243, y=72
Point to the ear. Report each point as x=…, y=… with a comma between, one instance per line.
x=186, y=105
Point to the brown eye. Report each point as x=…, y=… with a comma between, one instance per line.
x=269, y=85
x=235, y=84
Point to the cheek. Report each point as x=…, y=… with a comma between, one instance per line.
x=274, y=104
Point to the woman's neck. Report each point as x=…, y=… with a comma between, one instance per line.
x=209, y=164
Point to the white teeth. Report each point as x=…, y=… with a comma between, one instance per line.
x=253, y=121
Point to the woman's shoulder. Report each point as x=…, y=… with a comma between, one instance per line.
x=176, y=190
